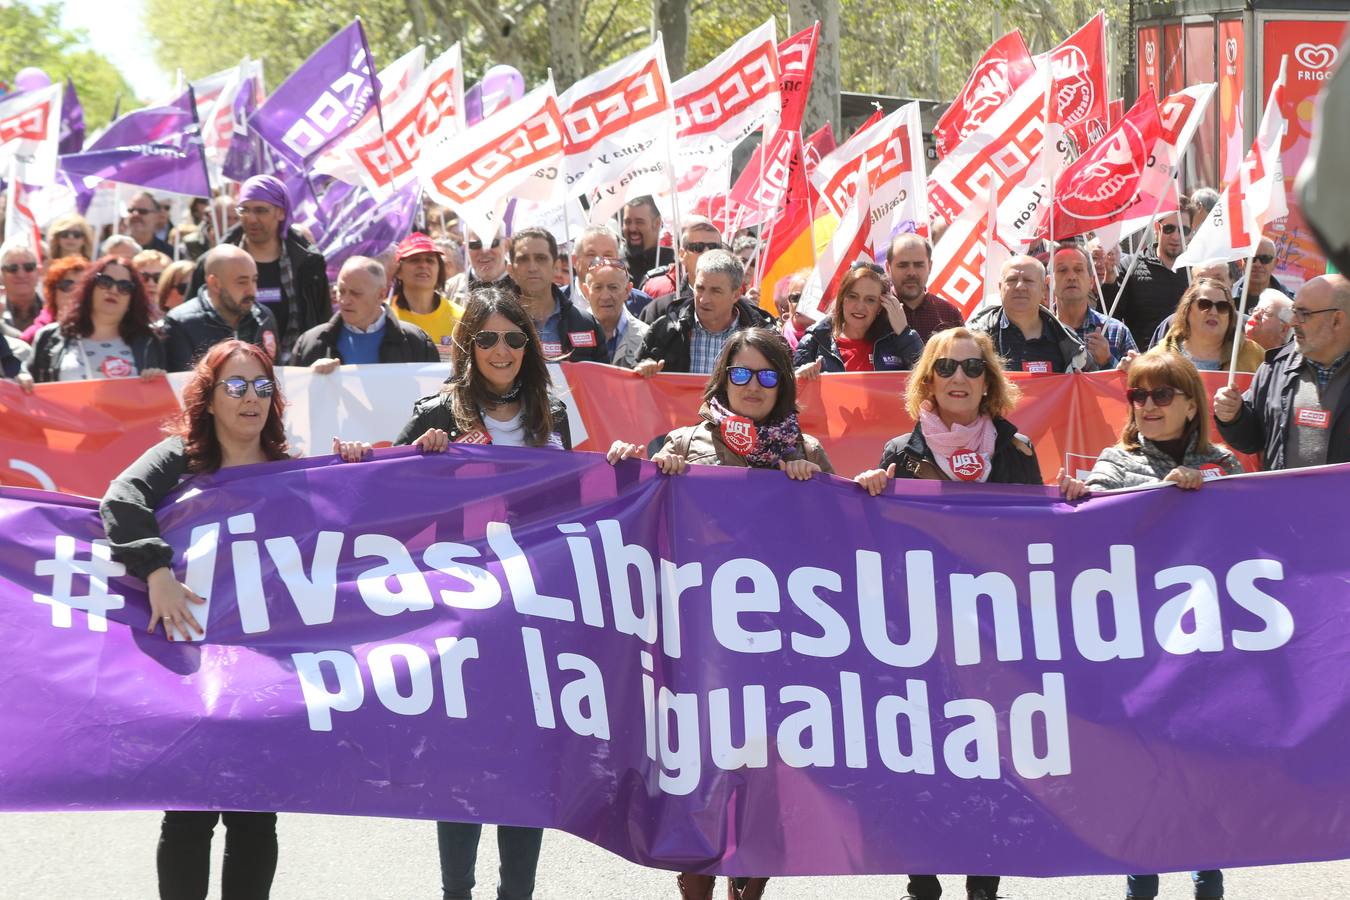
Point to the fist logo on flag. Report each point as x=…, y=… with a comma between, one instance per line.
x=1107, y=186
x=1074, y=93
x=1315, y=56
x=991, y=89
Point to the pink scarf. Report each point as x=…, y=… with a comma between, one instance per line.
x=963, y=452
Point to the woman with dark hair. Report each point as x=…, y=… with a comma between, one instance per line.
x=58, y=287
x=418, y=275
x=1166, y=437
x=105, y=333
x=70, y=235
x=232, y=416
x=1205, y=326
x=867, y=330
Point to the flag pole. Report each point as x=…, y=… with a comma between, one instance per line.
x=1239, y=326
x=1134, y=260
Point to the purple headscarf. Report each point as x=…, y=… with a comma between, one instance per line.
x=269, y=189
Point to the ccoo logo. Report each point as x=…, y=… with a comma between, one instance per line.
x=1315, y=56
x=1107, y=186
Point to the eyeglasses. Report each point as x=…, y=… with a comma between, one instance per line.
x=1302, y=315
x=1172, y=229
x=254, y=211
x=66, y=284
x=946, y=367
x=181, y=288
x=151, y=277
x=1204, y=304
x=11, y=268
x=123, y=286
x=795, y=297
x=1162, y=396
x=702, y=246
x=606, y=262
x=141, y=211
x=740, y=376
x=236, y=387
x=478, y=245
x=1264, y=259
x=486, y=340
x=70, y=234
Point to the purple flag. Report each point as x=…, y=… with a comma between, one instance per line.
x=72, y=121
x=721, y=671
x=158, y=148
x=150, y=125
x=247, y=155
x=323, y=100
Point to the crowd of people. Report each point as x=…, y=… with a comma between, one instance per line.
x=154, y=297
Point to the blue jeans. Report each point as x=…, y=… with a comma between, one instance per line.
x=927, y=887
x=518, y=848
x=1208, y=885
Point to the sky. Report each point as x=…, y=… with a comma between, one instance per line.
x=121, y=38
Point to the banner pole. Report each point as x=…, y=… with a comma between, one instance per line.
x=1239, y=314
x=675, y=205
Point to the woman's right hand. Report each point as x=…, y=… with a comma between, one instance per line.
x=350, y=451
x=809, y=371
x=670, y=464
x=1072, y=488
x=25, y=381
x=169, y=603
x=621, y=450
x=875, y=480
x=433, y=440
x=1126, y=360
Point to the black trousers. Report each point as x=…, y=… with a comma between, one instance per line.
x=927, y=887
x=184, y=855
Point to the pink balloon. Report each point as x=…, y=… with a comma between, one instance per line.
x=32, y=79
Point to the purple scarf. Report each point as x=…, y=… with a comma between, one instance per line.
x=761, y=445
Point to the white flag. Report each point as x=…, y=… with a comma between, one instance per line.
x=30, y=132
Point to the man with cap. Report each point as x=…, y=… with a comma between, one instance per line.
x=292, y=278
x=419, y=271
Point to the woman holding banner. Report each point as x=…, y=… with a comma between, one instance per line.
x=1204, y=328
x=749, y=419
x=866, y=332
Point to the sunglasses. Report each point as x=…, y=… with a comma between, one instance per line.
x=140, y=210
x=486, y=340
x=236, y=387
x=1204, y=304
x=702, y=246
x=108, y=283
x=1172, y=229
x=1264, y=259
x=66, y=284
x=871, y=267
x=70, y=234
x=606, y=262
x=946, y=367
x=740, y=376
x=1162, y=396
x=11, y=268
x=254, y=211
x=181, y=288
x=478, y=245
x=151, y=277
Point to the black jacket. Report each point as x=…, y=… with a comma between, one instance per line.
x=435, y=412
x=1262, y=424
x=311, y=307
x=194, y=326
x=1150, y=297
x=49, y=345
x=128, y=508
x=891, y=353
x=661, y=304
x=1009, y=465
x=400, y=343
x=670, y=336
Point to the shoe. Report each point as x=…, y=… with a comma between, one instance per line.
x=753, y=890
x=980, y=894
x=695, y=887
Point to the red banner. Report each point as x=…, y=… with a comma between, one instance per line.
x=797, y=64
x=1150, y=58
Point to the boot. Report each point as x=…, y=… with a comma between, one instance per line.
x=752, y=889
x=695, y=887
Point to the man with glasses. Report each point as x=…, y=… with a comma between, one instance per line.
x=487, y=265
x=141, y=221
x=225, y=307
x=19, y=274
x=697, y=236
x=1297, y=411
x=292, y=277
x=362, y=331
x=564, y=330
x=607, y=287
x=1154, y=289
x=909, y=261
x=1262, y=274
x=1024, y=332
x=595, y=242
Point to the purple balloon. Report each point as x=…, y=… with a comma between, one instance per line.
x=501, y=85
x=32, y=79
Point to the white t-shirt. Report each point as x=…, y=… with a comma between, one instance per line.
x=511, y=433
x=87, y=360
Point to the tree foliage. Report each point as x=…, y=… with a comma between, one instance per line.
x=34, y=37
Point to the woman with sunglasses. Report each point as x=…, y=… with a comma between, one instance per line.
x=171, y=289
x=58, y=287
x=105, y=333
x=866, y=330
x=232, y=416
x=1166, y=437
x=70, y=235
x=1204, y=328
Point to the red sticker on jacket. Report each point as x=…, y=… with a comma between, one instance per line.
x=967, y=465
x=270, y=344
x=115, y=367
x=551, y=348
x=1312, y=418
x=738, y=433
x=1036, y=367
x=1210, y=471
x=581, y=338
x=477, y=436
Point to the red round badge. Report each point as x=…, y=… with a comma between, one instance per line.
x=1211, y=471
x=967, y=465
x=738, y=433
x=270, y=344
x=116, y=367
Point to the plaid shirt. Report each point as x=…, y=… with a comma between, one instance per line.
x=933, y=314
x=705, y=346
x=1326, y=373
x=1117, y=336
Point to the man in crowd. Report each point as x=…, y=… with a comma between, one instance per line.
x=1154, y=289
x=697, y=236
x=225, y=307
x=1107, y=339
x=690, y=338
x=1272, y=322
x=1297, y=411
x=121, y=246
x=607, y=287
x=487, y=265
x=19, y=274
x=642, y=240
x=363, y=331
x=1203, y=200
x=1262, y=274
x=292, y=278
x=418, y=274
x=564, y=330
x=142, y=220
x=598, y=241
x=1106, y=260
x=909, y=261
x=1026, y=335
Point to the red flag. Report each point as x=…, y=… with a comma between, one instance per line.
x=1079, y=67
x=821, y=143
x=761, y=190
x=1000, y=71
x=787, y=248
x=1106, y=180
x=797, y=63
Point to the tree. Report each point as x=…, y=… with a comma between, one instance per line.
x=34, y=37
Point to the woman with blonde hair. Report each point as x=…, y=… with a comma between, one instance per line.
x=1205, y=326
x=171, y=290
x=70, y=235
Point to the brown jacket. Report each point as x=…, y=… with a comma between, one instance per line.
x=702, y=444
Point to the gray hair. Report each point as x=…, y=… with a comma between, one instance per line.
x=602, y=230
x=723, y=262
x=1277, y=303
x=15, y=246
x=1205, y=198
x=118, y=240
x=372, y=267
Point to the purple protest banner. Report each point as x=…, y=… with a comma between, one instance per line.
x=322, y=100
x=150, y=125
x=159, y=148
x=72, y=121
x=722, y=671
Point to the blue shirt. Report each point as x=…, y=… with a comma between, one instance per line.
x=613, y=343
x=1117, y=336
x=550, y=332
x=355, y=348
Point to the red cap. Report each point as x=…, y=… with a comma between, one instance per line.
x=414, y=244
